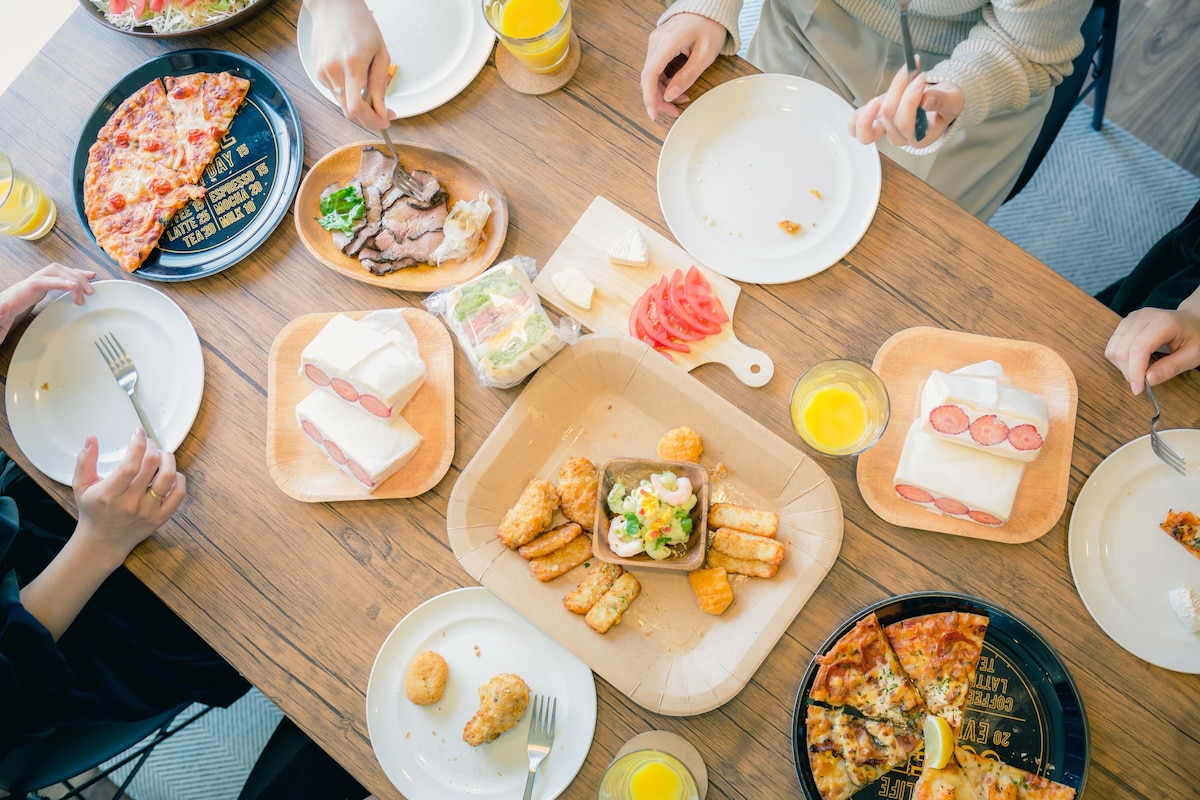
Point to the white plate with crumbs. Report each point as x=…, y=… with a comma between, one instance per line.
x=421, y=748
x=760, y=179
x=1123, y=563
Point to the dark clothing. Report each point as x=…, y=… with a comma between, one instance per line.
x=292, y=765
x=125, y=657
x=1166, y=276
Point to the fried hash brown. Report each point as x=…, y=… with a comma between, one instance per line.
x=531, y=515
x=613, y=603
x=713, y=590
x=425, y=679
x=578, y=484
x=681, y=444
x=741, y=566
x=599, y=580
x=562, y=560
x=750, y=520
x=502, y=702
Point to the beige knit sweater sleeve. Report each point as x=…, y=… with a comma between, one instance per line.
x=722, y=11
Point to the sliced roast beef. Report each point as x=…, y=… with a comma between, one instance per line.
x=384, y=267
x=364, y=235
x=421, y=248
x=375, y=169
x=403, y=221
x=371, y=195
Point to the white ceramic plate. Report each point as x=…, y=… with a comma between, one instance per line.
x=758, y=151
x=438, y=48
x=420, y=747
x=60, y=388
x=1124, y=564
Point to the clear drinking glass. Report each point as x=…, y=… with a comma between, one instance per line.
x=839, y=407
x=25, y=210
x=536, y=32
x=648, y=775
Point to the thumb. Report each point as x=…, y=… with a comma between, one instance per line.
x=682, y=80
x=1165, y=368
x=85, y=466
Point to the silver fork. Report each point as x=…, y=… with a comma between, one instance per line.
x=541, y=736
x=400, y=176
x=126, y=374
x=1173, y=458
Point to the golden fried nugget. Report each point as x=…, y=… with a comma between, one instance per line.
x=578, y=485
x=741, y=566
x=425, y=680
x=713, y=590
x=530, y=516
x=750, y=520
x=749, y=546
x=562, y=560
x=550, y=541
x=613, y=603
x=502, y=702
x=680, y=444
x=599, y=580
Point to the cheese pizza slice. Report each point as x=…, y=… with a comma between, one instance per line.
x=144, y=125
x=940, y=653
x=203, y=106
x=847, y=752
x=862, y=671
x=993, y=780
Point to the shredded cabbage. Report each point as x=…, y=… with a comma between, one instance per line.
x=174, y=18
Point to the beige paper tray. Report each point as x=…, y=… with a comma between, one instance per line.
x=613, y=396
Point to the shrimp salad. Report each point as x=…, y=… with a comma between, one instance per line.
x=653, y=518
x=169, y=16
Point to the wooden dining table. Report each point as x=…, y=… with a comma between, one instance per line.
x=300, y=596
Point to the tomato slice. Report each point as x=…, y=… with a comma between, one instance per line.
x=702, y=299
x=667, y=317
x=643, y=324
x=679, y=304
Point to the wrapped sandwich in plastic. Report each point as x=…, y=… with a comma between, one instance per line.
x=500, y=323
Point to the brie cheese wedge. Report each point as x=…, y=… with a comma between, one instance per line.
x=574, y=287
x=630, y=250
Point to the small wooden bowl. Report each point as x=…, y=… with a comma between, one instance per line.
x=632, y=471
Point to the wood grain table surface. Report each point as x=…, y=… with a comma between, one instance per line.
x=299, y=597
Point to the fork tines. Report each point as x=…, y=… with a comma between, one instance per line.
x=1169, y=455
x=544, y=711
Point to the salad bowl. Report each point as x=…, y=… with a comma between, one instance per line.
x=631, y=473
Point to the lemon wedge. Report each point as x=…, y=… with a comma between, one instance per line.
x=939, y=742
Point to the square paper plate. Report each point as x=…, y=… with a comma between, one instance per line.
x=606, y=397
x=905, y=361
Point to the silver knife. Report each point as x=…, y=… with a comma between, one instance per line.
x=922, y=126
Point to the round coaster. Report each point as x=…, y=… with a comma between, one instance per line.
x=675, y=745
x=515, y=75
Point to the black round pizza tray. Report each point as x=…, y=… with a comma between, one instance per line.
x=250, y=184
x=1024, y=709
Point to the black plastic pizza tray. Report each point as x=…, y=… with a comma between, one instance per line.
x=250, y=184
x=1024, y=709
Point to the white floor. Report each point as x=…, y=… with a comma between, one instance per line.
x=29, y=25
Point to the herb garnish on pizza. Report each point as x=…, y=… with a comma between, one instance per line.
x=149, y=157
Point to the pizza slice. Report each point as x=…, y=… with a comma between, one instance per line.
x=940, y=653
x=145, y=125
x=862, y=671
x=1184, y=526
x=993, y=780
x=129, y=200
x=847, y=752
x=943, y=783
x=203, y=106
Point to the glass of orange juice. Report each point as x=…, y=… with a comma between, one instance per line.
x=25, y=210
x=648, y=775
x=839, y=407
x=537, y=32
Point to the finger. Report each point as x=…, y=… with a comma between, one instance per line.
x=906, y=109
x=654, y=80
x=682, y=80
x=377, y=79
x=163, y=481
x=151, y=461
x=174, y=499
x=85, y=465
x=123, y=476
x=1166, y=368
x=867, y=126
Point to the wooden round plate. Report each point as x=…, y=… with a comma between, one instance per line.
x=460, y=179
x=302, y=471
x=905, y=361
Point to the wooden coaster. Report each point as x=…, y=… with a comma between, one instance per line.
x=515, y=75
x=673, y=744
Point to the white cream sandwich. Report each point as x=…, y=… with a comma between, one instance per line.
x=373, y=362
x=976, y=406
x=366, y=448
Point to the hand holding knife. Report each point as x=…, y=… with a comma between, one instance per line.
x=922, y=123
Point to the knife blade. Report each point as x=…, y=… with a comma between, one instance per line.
x=922, y=124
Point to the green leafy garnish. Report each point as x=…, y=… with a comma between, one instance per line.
x=341, y=210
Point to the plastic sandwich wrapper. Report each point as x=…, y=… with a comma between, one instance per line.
x=499, y=321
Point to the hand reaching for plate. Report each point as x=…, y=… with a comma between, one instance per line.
x=350, y=53
x=692, y=36
x=20, y=298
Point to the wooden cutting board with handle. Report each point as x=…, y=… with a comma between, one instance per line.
x=618, y=288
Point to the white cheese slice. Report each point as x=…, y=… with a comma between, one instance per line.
x=366, y=448
x=957, y=481
x=1186, y=605
x=574, y=287
x=630, y=250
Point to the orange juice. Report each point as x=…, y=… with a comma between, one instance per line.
x=834, y=417
x=654, y=780
x=25, y=211
x=537, y=32
x=648, y=775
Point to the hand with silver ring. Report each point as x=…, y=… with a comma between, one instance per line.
x=348, y=51
x=338, y=91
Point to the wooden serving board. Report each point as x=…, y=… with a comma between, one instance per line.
x=299, y=467
x=904, y=362
x=618, y=288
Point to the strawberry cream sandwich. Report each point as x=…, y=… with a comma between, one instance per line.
x=373, y=362
x=976, y=406
x=365, y=447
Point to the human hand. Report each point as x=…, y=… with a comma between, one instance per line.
x=350, y=53
x=118, y=512
x=1149, y=330
x=18, y=299
x=894, y=114
x=699, y=39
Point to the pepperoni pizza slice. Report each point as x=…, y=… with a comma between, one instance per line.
x=203, y=106
x=939, y=653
